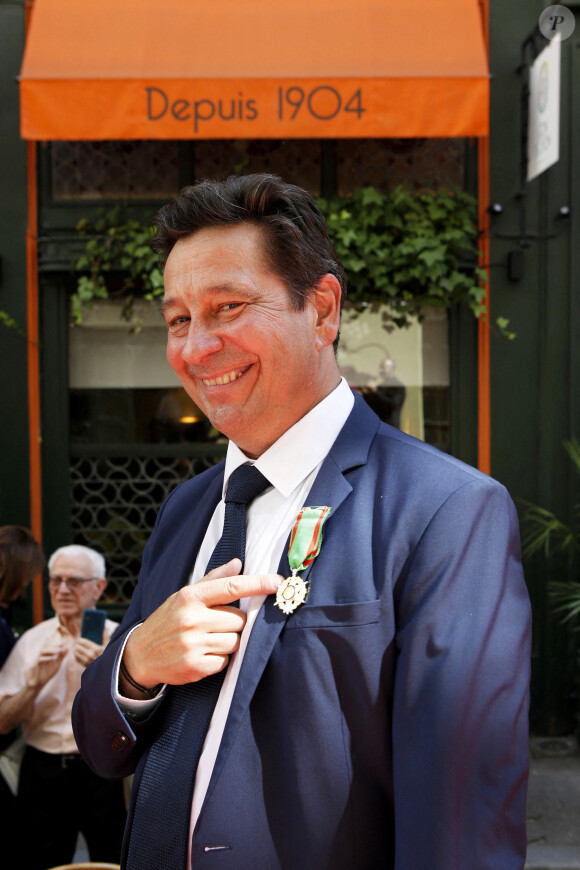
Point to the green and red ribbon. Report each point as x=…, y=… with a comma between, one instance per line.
x=306, y=537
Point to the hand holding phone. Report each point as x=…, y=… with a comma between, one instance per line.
x=93, y=624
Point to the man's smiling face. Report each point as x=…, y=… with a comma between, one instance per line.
x=250, y=361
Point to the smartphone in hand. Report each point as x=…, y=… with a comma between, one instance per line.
x=93, y=624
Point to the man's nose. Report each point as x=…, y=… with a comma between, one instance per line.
x=201, y=341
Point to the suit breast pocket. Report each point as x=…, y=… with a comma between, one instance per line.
x=334, y=616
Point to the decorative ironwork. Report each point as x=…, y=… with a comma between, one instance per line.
x=151, y=169
x=295, y=160
x=388, y=162
x=101, y=170
x=114, y=500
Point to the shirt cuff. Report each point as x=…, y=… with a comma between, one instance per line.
x=129, y=706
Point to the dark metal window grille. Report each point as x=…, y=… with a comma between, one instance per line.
x=115, y=498
x=150, y=169
x=388, y=162
x=110, y=170
x=295, y=160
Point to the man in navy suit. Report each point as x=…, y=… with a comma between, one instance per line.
x=380, y=719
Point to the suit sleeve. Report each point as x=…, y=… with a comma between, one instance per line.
x=460, y=714
x=107, y=739
x=112, y=742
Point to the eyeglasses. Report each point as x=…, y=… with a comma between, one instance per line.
x=55, y=582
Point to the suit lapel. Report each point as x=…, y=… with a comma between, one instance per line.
x=330, y=488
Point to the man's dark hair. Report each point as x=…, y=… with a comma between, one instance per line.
x=296, y=241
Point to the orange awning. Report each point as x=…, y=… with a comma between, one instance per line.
x=228, y=69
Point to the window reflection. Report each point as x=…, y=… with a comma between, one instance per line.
x=403, y=374
x=123, y=391
x=386, y=393
x=137, y=416
x=177, y=419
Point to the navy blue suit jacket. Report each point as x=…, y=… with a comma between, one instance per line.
x=384, y=723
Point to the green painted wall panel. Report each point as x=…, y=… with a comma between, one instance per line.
x=534, y=403
x=14, y=480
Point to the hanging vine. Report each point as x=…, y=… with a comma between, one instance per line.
x=404, y=250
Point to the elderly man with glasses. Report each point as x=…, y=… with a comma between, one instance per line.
x=58, y=794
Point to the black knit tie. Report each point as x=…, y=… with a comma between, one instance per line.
x=244, y=485
x=160, y=827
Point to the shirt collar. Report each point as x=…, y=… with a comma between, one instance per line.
x=302, y=447
x=62, y=629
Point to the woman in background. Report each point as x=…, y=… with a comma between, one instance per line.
x=21, y=559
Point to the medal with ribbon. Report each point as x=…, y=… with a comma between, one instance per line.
x=305, y=543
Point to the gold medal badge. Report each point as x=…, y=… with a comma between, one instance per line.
x=291, y=593
x=305, y=543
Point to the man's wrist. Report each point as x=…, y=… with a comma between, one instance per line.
x=144, y=691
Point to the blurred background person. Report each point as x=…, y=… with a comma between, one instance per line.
x=21, y=559
x=58, y=794
x=391, y=393
x=385, y=393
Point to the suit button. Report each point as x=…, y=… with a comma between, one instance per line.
x=119, y=742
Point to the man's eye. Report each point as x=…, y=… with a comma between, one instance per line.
x=229, y=306
x=176, y=323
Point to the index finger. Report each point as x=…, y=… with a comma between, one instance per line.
x=49, y=655
x=226, y=590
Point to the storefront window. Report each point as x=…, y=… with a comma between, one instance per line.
x=402, y=374
x=123, y=390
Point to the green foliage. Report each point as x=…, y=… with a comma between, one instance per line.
x=502, y=324
x=544, y=532
x=8, y=321
x=407, y=250
x=116, y=244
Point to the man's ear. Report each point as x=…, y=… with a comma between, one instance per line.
x=101, y=584
x=326, y=301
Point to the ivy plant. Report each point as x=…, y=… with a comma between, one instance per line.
x=8, y=321
x=404, y=250
x=114, y=246
x=407, y=250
